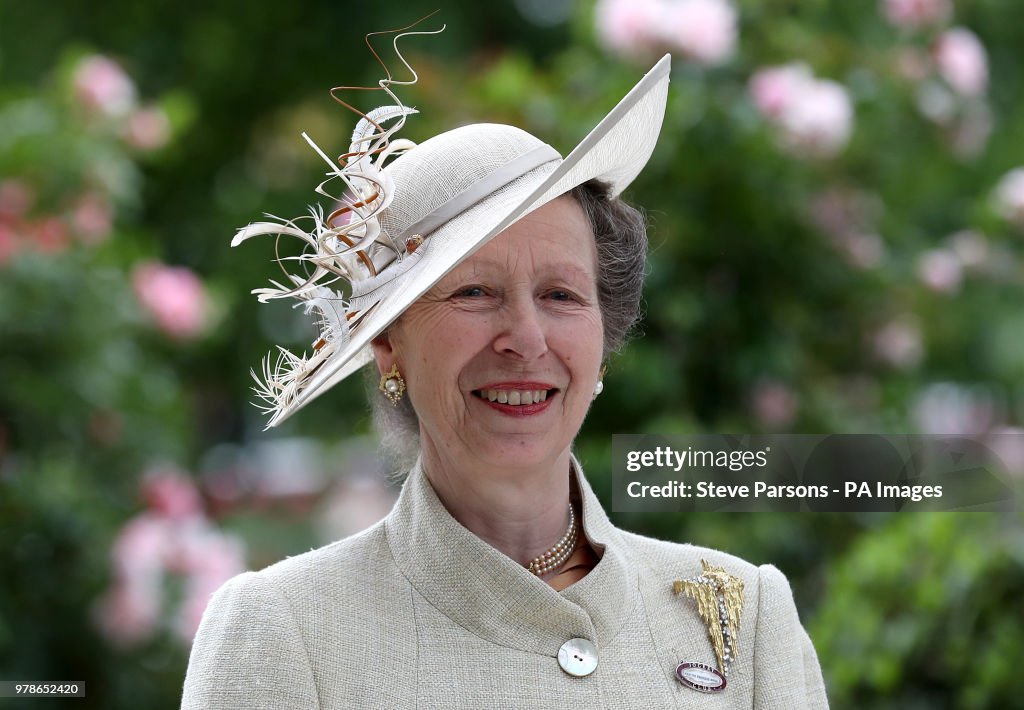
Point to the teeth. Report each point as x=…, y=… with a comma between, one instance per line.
x=515, y=397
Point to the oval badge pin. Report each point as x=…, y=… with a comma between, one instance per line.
x=700, y=676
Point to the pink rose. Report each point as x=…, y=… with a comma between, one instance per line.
x=174, y=296
x=212, y=560
x=815, y=116
x=92, y=217
x=917, y=13
x=142, y=546
x=1009, y=196
x=171, y=494
x=775, y=405
x=49, y=235
x=148, y=550
x=628, y=27
x=819, y=120
x=211, y=555
x=704, y=30
x=9, y=243
x=898, y=343
x=101, y=85
x=193, y=605
x=147, y=129
x=940, y=270
x=962, y=61
x=775, y=89
x=130, y=611
x=173, y=538
x=15, y=200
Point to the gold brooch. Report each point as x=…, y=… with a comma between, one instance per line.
x=719, y=597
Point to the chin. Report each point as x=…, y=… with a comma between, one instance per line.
x=519, y=452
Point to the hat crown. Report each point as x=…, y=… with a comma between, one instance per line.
x=446, y=165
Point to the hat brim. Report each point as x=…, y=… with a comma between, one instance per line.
x=615, y=151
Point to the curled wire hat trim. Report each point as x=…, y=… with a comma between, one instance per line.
x=348, y=245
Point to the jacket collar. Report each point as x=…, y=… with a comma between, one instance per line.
x=495, y=598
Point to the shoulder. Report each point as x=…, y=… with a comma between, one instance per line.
x=777, y=664
x=766, y=587
x=266, y=636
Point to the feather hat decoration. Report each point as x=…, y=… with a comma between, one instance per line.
x=348, y=245
x=409, y=213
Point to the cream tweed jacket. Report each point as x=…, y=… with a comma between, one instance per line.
x=417, y=612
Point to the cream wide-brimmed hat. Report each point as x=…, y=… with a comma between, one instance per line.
x=407, y=223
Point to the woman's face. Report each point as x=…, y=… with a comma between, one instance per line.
x=501, y=357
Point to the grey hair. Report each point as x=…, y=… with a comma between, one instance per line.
x=620, y=233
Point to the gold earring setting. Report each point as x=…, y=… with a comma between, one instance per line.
x=392, y=385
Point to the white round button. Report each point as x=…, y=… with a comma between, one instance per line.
x=578, y=657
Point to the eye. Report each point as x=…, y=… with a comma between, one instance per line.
x=561, y=295
x=470, y=292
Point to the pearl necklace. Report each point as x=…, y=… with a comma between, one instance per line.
x=556, y=556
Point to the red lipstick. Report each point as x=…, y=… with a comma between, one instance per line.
x=518, y=410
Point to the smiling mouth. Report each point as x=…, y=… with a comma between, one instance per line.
x=515, y=397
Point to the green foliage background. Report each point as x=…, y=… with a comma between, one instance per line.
x=911, y=611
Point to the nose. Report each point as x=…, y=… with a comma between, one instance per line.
x=522, y=332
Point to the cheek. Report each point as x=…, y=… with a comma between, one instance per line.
x=433, y=348
x=584, y=339
x=579, y=345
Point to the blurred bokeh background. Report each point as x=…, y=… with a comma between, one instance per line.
x=837, y=209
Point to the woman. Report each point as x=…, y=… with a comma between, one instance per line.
x=490, y=279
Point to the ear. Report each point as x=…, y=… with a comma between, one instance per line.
x=383, y=352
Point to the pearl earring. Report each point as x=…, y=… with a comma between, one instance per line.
x=392, y=385
x=599, y=387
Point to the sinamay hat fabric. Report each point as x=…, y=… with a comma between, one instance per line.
x=451, y=193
